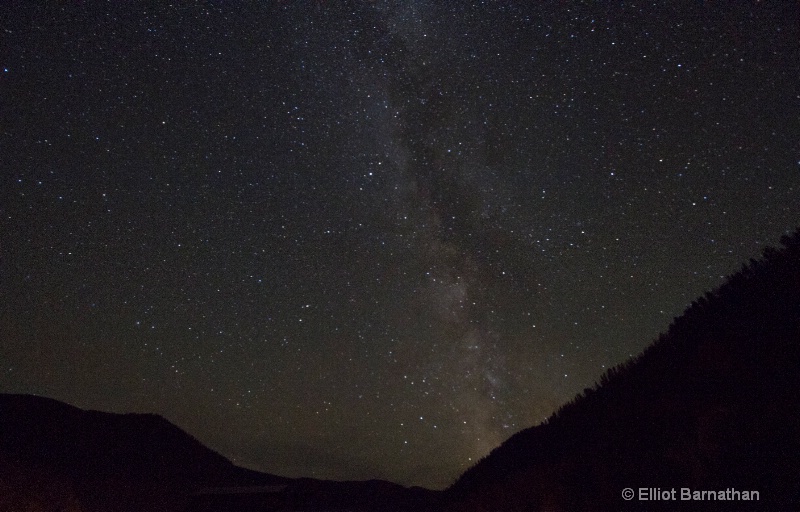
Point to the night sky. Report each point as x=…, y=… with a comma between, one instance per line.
x=356, y=240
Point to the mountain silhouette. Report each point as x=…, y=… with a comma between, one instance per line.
x=711, y=405
x=56, y=457
x=101, y=461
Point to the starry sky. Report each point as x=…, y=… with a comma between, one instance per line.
x=374, y=239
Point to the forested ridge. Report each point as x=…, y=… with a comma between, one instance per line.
x=711, y=404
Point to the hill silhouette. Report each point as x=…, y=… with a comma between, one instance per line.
x=56, y=457
x=712, y=404
x=101, y=461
